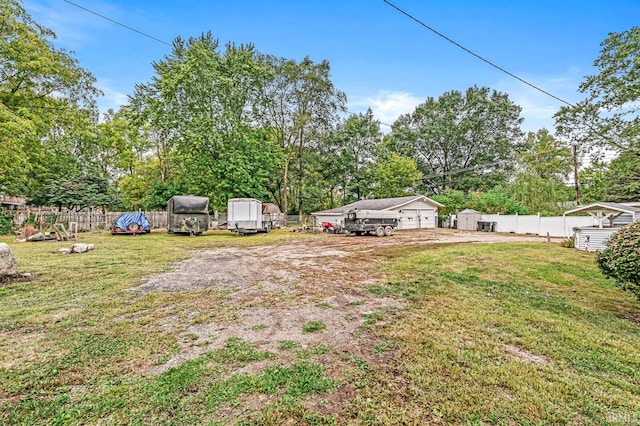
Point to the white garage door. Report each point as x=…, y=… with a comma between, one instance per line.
x=409, y=219
x=414, y=219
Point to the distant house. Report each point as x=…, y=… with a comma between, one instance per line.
x=414, y=212
x=13, y=203
x=609, y=218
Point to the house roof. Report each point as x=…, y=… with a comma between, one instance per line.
x=469, y=211
x=379, y=204
x=605, y=208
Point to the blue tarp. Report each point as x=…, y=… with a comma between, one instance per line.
x=128, y=218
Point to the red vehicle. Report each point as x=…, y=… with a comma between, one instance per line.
x=328, y=227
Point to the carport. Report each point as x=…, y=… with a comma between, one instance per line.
x=604, y=211
x=592, y=238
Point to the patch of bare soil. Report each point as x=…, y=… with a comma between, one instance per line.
x=525, y=356
x=635, y=317
x=274, y=290
x=15, y=279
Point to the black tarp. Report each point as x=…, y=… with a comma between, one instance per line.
x=189, y=204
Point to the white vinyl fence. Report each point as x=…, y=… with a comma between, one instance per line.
x=554, y=226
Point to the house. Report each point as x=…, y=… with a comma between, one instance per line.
x=609, y=218
x=414, y=212
x=13, y=203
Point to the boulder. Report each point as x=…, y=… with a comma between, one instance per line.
x=81, y=248
x=8, y=265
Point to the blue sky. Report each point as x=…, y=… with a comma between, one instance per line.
x=379, y=57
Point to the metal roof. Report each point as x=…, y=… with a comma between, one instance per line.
x=469, y=211
x=605, y=207
x=379, y=204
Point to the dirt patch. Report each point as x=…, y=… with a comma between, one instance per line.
x=16, y=279
x=270, y=292
x=525, y=356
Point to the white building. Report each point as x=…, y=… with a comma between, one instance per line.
x=609, y=218
x=414, y=212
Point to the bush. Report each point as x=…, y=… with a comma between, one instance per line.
x=6, y=225
x=621, y=259
x=568, y=243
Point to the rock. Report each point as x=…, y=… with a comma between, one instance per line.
x=36, y=237
x=8, y=265
x=64, y=250
x=81, y=248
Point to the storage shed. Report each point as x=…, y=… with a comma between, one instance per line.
x=414, y=212
x=609, y=216
x=468, y=219
x=593, y=239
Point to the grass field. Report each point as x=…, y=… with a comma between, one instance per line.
x=489, y=334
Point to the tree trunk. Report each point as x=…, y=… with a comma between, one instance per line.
x=285, y=190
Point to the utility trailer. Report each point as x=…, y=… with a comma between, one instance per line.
x=245, y=216
x=187, y=214
x=361, y=222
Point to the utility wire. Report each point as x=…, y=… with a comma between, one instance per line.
x=358, y=113
x=117, y=23
x=475, y=54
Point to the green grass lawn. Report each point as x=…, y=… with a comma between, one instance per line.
x=490, y=334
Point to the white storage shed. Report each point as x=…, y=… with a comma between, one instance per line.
x=609, y=216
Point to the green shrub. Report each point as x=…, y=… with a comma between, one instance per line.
x=6, y=225
x=621, y=259
x=30, y=220
x=569, y=243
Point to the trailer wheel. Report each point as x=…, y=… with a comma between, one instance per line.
x=388, y=231
x=380, y=231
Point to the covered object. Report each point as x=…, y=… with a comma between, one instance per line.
x=187, y=214
x=131, y=223
x=413, y=212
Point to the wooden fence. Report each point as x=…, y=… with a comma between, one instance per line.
x=91, y=220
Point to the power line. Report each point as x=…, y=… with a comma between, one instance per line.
x=117, y=23
x=358, y=113
x=475, y=54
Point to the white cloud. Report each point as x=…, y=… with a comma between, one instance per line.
x=386, y=106
x=538, y=108
x=112, y=98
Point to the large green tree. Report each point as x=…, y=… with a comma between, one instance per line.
x=461, y=140
x=396, y=176
x=544, y=165
x=201, y=105
x=47, y=106
x=348, y=154
x=301, y=105
x=622, y=178
x=608, y=115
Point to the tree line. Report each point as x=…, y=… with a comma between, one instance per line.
x=227, y=121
